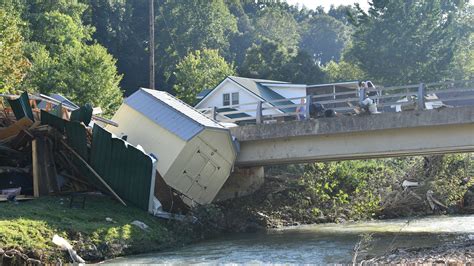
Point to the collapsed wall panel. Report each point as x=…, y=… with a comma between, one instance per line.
x=127, y=170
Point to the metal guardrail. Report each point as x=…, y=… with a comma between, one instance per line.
x=413, y=96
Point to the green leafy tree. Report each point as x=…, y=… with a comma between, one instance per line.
x=400, y=42
x=57, y=31
x=301, y=69
x=13, y=64
x=342, y=71
x=122, y=27
x=271, y=60
x=190, y=25
x=342, y=13
x=85, y=74
x=200, y=70
x=266, y=59
x=324, y=38
x=462, y=66
x=64, y=61
x=278, y=25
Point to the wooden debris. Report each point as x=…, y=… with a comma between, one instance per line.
x=14, y=129
x=22, y=139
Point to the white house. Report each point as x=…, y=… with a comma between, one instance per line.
x=238, y=93
x=241, y=94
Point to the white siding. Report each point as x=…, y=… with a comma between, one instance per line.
x=215, y=99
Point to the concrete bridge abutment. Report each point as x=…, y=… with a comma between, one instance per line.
x=242, y=182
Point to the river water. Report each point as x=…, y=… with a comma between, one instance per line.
x=324, y=243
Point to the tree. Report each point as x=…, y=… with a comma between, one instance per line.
x=302, y=69
x=122, y=27
x=342, y=13
x=342, y=71
x=84, y=74
x=64, y=59
x=276, y=24
x=462, y=66
x=270, y=60
x=202, y=69
x=13, y=63
x=57, y=31
x=400, y=42
x=266, y=60
x=190, y=25
x=324, y=38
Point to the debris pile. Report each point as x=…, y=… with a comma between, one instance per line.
x=63, y=150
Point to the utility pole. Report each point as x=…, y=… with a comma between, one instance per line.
x=151, y=43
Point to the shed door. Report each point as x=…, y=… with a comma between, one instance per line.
x=203, y=171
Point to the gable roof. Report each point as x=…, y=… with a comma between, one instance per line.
x=255, y=87
x=170, y=113
x=203, y=93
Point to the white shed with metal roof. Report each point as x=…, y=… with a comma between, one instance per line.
x=195, y=154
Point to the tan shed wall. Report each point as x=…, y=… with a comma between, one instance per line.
x=153, y=138
x=221, y=142
x=198, y=175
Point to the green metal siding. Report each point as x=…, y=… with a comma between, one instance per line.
x=126, y=169
x=52, y=120
x=77, y=138
x=21, y=107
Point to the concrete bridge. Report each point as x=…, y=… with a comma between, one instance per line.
x=426, y=132
x=443, y=130
x=420, y=131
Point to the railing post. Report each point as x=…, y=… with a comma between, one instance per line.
x=214, y=113
x=307, y=115
x=259, y=113
x=421, y=96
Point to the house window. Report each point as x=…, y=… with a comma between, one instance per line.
x=235, y=98
x=225, y=99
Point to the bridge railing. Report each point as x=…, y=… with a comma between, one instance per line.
x=389, y=99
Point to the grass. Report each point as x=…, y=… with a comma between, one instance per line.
x=30, y=225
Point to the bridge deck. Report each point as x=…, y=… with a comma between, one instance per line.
x=357, y=137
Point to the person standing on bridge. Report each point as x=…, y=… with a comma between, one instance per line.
x=301, y=110
x=369, y=91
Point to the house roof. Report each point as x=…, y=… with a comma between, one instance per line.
x=255, y=86
x=170, y=113
x=203, y=93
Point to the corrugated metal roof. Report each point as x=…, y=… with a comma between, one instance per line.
x=65, y=101
x=170, y=113
x=254, y=86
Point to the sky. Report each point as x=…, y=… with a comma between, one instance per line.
x=312, y=4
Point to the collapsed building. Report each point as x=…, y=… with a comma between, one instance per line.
x=195, y=154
